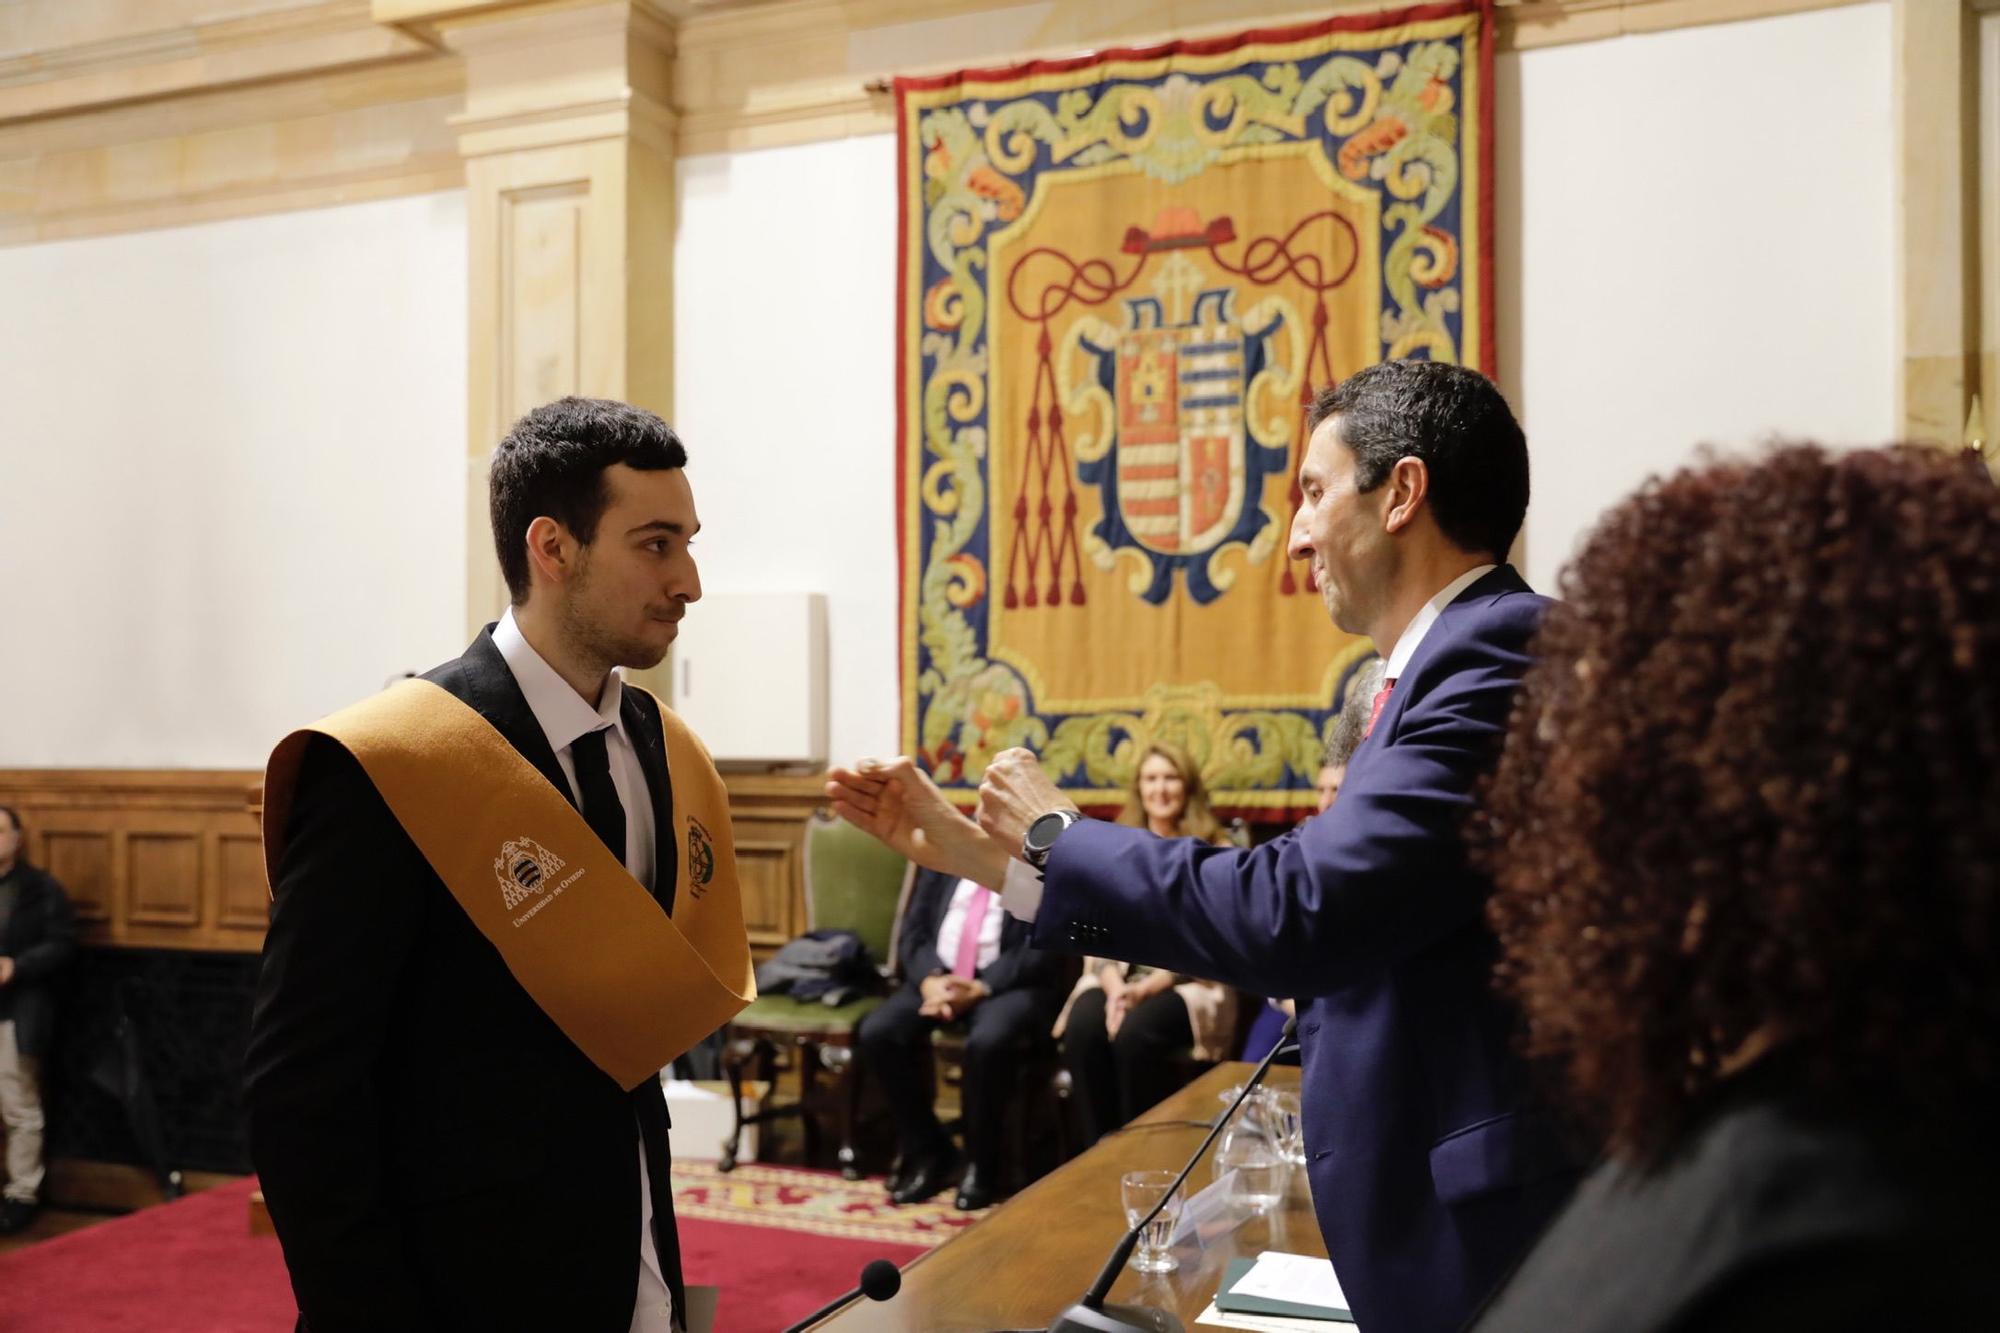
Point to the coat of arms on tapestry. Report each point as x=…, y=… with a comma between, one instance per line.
x=1122, y=279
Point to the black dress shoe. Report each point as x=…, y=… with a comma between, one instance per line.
x=975, y=1191
x=930, y=1176
x=894, y=1180
x=15, y=1215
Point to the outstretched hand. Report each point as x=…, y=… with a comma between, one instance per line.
x=897, y=802
x=1015, y=793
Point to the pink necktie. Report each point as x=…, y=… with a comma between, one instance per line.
x=1375, y=713
x=967, y=963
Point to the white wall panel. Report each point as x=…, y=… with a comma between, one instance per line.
x=231, y=479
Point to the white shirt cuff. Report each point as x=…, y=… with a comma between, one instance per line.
x=1021, y=891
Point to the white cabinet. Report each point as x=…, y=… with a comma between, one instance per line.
x=748, y=673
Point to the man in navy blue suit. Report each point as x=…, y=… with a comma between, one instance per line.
x=1432, y=1168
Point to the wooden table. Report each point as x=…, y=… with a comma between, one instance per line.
x=1025, y=1264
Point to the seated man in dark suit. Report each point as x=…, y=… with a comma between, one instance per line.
x=961, y=957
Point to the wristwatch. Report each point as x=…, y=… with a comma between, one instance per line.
x=1042, y=834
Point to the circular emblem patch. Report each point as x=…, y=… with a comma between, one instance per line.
x=701, y=857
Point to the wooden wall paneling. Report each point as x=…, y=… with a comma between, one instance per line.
x=768, y=815
x=242, y=891
x=151, y=858
x=769, y=870
x=81, y=852
x=174, y=860
x=164, y=871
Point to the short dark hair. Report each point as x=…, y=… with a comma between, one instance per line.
x=1454, y=420
x=552, y=463
x=13, y=817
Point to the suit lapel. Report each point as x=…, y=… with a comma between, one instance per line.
x=482, y=680
x=642, y=724
x=1494, y=583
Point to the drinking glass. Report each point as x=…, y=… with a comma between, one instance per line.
x=1282, y=1113
x=1141, y=1190
x=1248, y=1148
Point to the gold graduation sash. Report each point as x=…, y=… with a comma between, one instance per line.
x=630, y=986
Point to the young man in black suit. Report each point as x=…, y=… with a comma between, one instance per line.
x=37, y=938
x=962, y=957
x=437, y=1150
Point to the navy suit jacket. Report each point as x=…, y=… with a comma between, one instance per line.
x=1432, y=1170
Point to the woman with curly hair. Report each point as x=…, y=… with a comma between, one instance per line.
x=1745, y=835
x=1123, y=1024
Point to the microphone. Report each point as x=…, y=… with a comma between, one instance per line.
x=880, y=1280
x=1091, y=1314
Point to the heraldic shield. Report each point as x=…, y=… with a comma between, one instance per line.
x=1182, y=463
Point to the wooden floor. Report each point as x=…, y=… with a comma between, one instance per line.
x=51, y=1222
x=87, y=1193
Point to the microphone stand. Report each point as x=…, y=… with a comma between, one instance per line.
x=1091, y=1314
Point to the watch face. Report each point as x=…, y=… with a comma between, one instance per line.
x=1042, y=833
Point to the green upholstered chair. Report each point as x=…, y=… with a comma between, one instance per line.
x=852, y=882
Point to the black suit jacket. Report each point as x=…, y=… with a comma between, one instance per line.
x=1782, y=1209
x=41, y=939
x=435, y=1153
x=1019, y=965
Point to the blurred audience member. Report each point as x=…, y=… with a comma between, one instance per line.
x=37, y=939
x=962, y=959
x=1746, y=837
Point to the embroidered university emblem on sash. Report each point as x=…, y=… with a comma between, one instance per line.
x=524, y=868
x=701, y=857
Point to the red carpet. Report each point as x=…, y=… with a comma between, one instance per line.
x=185, y=1266
x=193, y=1267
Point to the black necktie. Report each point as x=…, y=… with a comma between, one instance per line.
x=602, y=809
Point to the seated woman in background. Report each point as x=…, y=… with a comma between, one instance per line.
x=1745, y=836
x=1124, y=1024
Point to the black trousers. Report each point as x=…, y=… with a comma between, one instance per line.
x=1114, y=1079
x=894, y=1042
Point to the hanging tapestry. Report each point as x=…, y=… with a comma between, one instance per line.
x=1122, y=279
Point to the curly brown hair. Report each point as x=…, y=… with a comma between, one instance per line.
x=1751, y=793
x=1198, y=818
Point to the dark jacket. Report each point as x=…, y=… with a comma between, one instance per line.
x=1779, y=1211
x=41, y=939
x=1432, y=1169
x=436, y=1154
x=1020, y=964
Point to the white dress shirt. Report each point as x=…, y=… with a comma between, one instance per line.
x=565, y=715
x=952, y=929
x=1021, y=892
x=1426, y=616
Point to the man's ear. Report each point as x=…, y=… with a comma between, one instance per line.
x=552, y=550
x=1409, y=485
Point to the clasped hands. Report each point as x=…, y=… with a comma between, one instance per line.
x=947, y=996
x=897, y=802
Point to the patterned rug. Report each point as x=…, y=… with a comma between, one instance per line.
x=820, y=1202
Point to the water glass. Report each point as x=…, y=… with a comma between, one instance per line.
x=1282, y=1114
x=1248, y=1149
x=1141, y=1190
